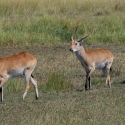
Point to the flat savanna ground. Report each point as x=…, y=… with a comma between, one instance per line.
x=99, y=106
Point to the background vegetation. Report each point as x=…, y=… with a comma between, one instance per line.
x=31, y=22
x=44, y=28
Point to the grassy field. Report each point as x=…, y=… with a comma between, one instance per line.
x=44, y=28
x=65, y=105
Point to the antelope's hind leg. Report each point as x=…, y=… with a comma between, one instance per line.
x=106, y=73
x=34, y=82
x=27, y=74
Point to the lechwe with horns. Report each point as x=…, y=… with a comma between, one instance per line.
x=18, y=64
x=92, y=59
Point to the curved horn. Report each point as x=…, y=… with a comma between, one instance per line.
x=78, y=40
x=72, y=37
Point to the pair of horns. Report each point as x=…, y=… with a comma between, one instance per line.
x=78, y=40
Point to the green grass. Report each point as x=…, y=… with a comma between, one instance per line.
x=44, y=28
x=56, y=81
x=60, y=76
x=53, y=22
x=92, y=108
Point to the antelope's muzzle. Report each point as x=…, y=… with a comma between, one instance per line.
x=71, y=49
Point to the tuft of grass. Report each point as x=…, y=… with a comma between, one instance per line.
x=14, y=85
x=57, y=81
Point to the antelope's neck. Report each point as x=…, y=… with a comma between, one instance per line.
x=81, y=54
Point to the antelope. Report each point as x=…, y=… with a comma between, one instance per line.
x=15, y=65
x=92, y=59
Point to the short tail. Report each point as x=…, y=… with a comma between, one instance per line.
x=32, y=76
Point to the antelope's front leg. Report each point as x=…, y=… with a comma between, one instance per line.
x=88, y=79
x=1, y=94
x=88, y=82
x=2, y=81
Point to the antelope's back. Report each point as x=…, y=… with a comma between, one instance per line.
x=100, y=54
x=18, y=60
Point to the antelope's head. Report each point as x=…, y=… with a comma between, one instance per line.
x=77, y=44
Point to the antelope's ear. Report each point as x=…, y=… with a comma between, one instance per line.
x=81, y=42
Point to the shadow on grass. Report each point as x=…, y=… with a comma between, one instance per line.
x=80, y=90
x=122, y=82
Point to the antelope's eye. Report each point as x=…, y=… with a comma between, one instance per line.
x=76, y=43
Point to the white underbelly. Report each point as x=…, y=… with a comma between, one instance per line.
x=15, y=74
x=100, y=65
